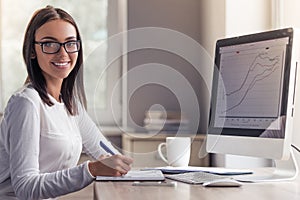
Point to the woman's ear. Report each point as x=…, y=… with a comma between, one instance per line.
x=32, y=55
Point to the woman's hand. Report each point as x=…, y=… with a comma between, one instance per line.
x=116, y=165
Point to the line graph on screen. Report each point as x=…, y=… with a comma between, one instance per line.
x=251, y=88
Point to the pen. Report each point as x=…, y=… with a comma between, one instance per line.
x=108, y=150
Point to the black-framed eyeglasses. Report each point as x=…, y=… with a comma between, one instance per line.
x=54, y=47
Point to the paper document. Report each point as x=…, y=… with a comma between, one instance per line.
x=135, y=175
x=213, y=170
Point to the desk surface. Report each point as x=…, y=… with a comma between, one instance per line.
x=249, y=191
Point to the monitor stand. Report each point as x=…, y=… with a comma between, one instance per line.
x=283, y=170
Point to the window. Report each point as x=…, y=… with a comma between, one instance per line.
x=92, y=17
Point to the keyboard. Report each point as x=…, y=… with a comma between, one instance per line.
x=195, y=177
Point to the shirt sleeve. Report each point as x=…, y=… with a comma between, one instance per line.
x=91, y=136
x=22, y=124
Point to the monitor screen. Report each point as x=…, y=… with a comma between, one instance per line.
x=252, y=94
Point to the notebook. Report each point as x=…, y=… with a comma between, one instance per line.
x=135, y=175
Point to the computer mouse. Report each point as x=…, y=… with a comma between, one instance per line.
x=227, y=182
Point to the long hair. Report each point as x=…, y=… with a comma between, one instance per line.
x=72, y=89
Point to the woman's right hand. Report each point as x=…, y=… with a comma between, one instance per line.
x=116, y=165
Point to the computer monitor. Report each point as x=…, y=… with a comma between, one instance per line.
x=253, y=98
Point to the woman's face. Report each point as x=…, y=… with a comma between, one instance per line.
x=55, y=67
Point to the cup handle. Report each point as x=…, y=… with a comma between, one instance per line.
x=160, y=152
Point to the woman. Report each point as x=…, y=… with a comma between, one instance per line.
x=45, y=125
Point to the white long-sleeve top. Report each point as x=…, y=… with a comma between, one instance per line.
x=40, y=146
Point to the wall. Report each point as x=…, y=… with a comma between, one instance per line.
x=212, y=23
x=244, y=17
x=227, y=18
x=182, y=19
x=290, y=13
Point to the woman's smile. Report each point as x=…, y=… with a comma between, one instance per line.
x=62, y=64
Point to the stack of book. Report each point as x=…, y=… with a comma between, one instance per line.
x=165, y=121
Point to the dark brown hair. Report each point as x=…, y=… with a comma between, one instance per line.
x=72, y=89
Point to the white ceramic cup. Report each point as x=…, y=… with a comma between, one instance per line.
x=178, y=151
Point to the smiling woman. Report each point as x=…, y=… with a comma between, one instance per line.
x=102, y=18
x=45, y=125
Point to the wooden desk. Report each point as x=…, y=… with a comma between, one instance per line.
x=249, y=191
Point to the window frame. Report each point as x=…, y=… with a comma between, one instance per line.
x=115, y=118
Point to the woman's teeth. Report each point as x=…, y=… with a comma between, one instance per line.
x=61, y=64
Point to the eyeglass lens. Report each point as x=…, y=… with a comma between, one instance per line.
x=54, y=47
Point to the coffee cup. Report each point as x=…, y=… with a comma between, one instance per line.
x=178, y=150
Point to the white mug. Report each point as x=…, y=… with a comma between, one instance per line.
x=178, y=151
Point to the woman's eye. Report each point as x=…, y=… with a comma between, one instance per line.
x=71, y=44
x=49, y=44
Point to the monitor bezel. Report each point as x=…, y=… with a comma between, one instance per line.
x=226, y=140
